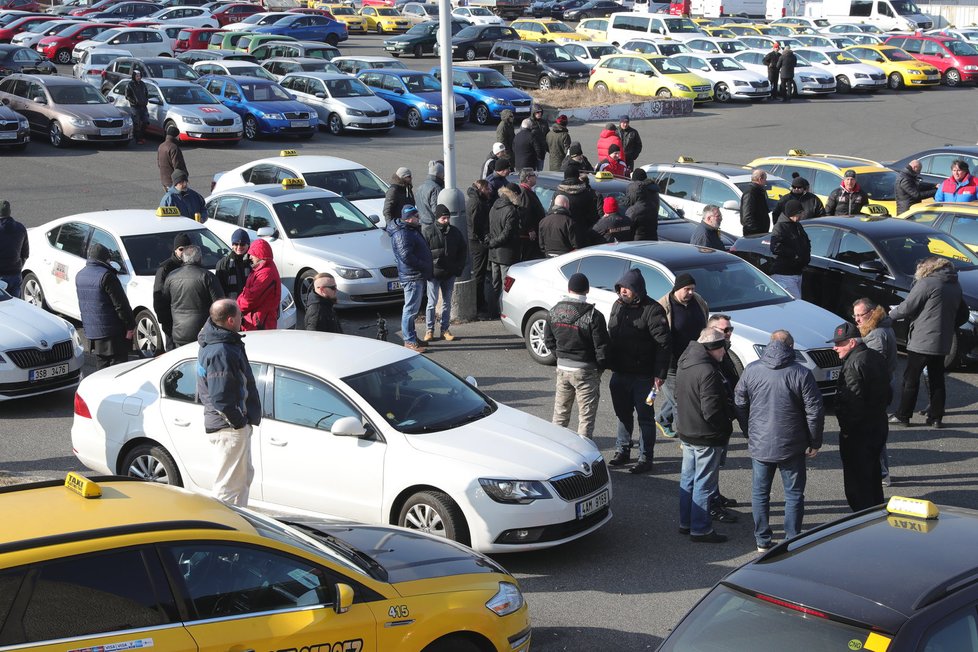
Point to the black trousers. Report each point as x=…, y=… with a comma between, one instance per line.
x=772, y=78
x=911, y=385
x=785, y=88
x=480, y=275
x=862, y=474
x=110, y=350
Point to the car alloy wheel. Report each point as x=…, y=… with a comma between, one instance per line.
x=843, y=84
x=470, y=54
x=56, y=134
x=147, y=337
x=895, y=81
x=952, y=78
x=534, y=338
x=151, y=463
x=334, y=124
x=663, y=92
x=250, y=128
x=601, y=87
x=414, y=119
x=545, y=83
x=436, y=513
x=721, y=93
x=418, y=51
x=32, y=292
x=481, y=114
x=303, y=285
x=333, y=39
x=63, y=57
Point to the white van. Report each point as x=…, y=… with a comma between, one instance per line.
x=627, y=26
x=717, y=8
x=888, y=15
x=778, y=9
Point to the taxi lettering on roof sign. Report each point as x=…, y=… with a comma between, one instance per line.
x=288, y=152
x=293, y=183
x=167, y=211
x=82, y=486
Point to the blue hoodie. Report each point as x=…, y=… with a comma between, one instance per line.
x=410, y=251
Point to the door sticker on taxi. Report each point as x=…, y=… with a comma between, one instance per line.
x=137, y=644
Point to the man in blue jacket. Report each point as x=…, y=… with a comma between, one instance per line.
x=414, y=269
x=181, y=195
x=226, y=387
x=105, y=311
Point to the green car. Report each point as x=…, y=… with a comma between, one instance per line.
x=226, y=40
x=250, y=41
x=420, y=39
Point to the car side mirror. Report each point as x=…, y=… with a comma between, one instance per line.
x=40, y=99
x=466, y=85
x=154, y=100
x=472, y=381
x=375, y=219
x=5, y=101
x=321, y=95
x=399, y=91
x=119, y=269
x=115, y=41
x=873, y=267
x=344, y=598
x=293, y=96
x=731, y=205
x=266, y=232
x=348, y=427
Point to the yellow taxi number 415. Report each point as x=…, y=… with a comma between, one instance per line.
x=398, y=611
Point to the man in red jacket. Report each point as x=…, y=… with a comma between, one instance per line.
x=259, y=300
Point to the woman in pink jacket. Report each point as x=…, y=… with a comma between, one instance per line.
x=606, y=139
x=259, y=300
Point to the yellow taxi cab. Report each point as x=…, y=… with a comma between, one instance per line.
x=648, y=74
x=719, y=32
x=704, y=22
x=545, y=30
x=384, y=19
x=957, y=219
x=901, y=69
x=794, y=28
x=348, y=16
x=594, y=29
x=824, y=174
x=745, y=30
x=120, y=564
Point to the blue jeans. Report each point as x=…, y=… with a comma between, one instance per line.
x=412, y=301
x=628, y=394
x=446, y=286
x=697, y=483
x=667, y=407
x=13, y=284
x=793, y=476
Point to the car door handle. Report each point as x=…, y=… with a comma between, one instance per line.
x=181, y=423
x=278, y=442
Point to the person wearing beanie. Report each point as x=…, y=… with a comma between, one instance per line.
x=399, y=194
x=500, y=177
x=234, y=268
x=791, y=248
x=641, y=206
x=527, y=148
x=541, y=129
x=188, y=293
x=449, y=255
x=607, y=138
x=707, y=232
x=138, y=97
x=614, y=163
x=505, y=132
x=799, y=192
x=14, y=249
x=414, y=269
x=180, y=242
x=631, y=141
x=531, y=214
x=259, y=299
x=558, y=143
x=169, y=156
x=505, y=246
x=575, y=157
x=582, y=204
x=848, y=198
x=772, y=60
x=105, y=312
x=426, y=196
x=577, y=334
x=489, y=165
x=686, y=313
x=638, y=358
x=613, y=226
x=186, y=199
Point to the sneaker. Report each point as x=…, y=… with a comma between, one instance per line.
x=447, y=336
x=937, y=424
x=726, y=502
x=665, y=430
x=712, y=537
x=415, y=346
x=621, y=458
x=887, y=481
x=644, y=466
x=895, y=420
x=764, y=547
x=722, y=515
x=683, y=530
x=428, y=336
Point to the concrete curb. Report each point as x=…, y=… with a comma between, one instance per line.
x=649, y=109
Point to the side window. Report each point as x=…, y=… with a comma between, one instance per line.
x=939, y=164
x=715, y=192
x=73, y=238
x=683, y=186
x=915, y=46
x=215, y=86
x=229, y=580
x=180, y=383
x=228, y=209
x=526, y=55
x=256, y=216
x=656, y=285
x=603, y=271
x=861, y=8
x=928, y=217
x=965, y=228
x=958, y=633
x=306, y=401
x=931, y=48
x=103, y=238
x=821, y=238
x=855, y=250
x=824, y=182
x=884, y=9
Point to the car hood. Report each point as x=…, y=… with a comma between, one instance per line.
x=279, y=106
x=968, y=280
x=504, y=93
x=434, y=97
x=369, y=103
x=24, y=326
x=89, y=110
x=410, y=38
x=371, y=207
x=534, y=449
x=367, y=249
x=808, y=324
x=201, y=110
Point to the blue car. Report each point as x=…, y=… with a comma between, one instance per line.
x=488, y=93
x=415, y=96
x=307, y=27
x=265, y=107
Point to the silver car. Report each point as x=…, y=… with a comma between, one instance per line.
x=756, y=304
x=89, y=68
x=187, y=106
x=342, y=102
x=282, y=66
x=232, y=67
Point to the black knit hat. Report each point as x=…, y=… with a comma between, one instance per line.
x=578, y=284
x=683, y=280
x=639, y=175
x=793, y=207
x=182, y=240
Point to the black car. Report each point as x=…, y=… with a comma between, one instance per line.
x=935, y=163
x=190, y=57
x=420, y=39
x=673, y=227
x=150, y=67
x=476, y=41
x=541, y=65
x=15, y=131
x=593, y=9
x=126, y=11
x=540, y=8
x=558, y=8
x=875, y=257
x=16, y=58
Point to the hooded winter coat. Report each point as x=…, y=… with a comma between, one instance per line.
x=449, y=252
x=843, y=202
x=477, y=213
x=641, y=204
x=138, y=96
x=787, y=63
x=606, y=139
x=779, y=406
x=583, y=207
x=162, y=271
x=935, y=308
x=753, y=210
x=810, y=201
x=526, y=150
x=410, y=252
x=558, y=142
x=505, y=132
x=14, y=247
x=641, y=343
x=188, y=293
x=791, y=248
x=910, y=190
x=262, y=293
x=878, y=334
x=169, y=157
x=504, y=228
x=399, y=194
x=426, y=197
x=225, y=385
x=703, y=413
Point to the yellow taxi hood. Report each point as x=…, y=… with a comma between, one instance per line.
x=689, y=78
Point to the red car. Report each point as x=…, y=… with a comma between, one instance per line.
x=956, y=59
x=58, y=48
x=194, y=38
x=235, y=13
x=18, y=26
x=101, y=5
x=21, y=5
x=311, y=10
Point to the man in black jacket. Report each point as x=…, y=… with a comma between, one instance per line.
x=399, y=194
x=540, y=128
x=641, y=206
x=707, y=232
x=504, y=237
x=180, y=242
x=138, y=97
x=477, y=207
x=861, y=398
x=320, y=314
x=791, y=248
x=448, y=257
x=234, y=268
x=576, y=332
x=639, y=359
x=786, y=73
x=531, y=214
x=754, y=215
x=704, y=423
x=106, y=314
x=582, y=203
x=14, y=249
x=526, y=147
x=558, y=233
x=848, y=198
x=799, y=192
x=188, y=294
x=772, y=60
x=910, y=189
x=631, y=141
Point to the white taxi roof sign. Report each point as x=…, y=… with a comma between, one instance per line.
x=288, y=152
x=912, y=507
x=797, y=152
x=82, y=486
x=167, y=211
x=293, y=183
x=685, y=159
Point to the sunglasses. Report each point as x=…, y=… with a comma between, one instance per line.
x=326, y=287
x=728, y=330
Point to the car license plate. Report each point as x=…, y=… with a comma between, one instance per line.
x=834, y=374
x=48, y=372
x=8, y=135
x=393, y=285
x=592, y=504
x=702, y=96
x=224, y=130
x=300, y=123
x=111, y=132
x=389, y=48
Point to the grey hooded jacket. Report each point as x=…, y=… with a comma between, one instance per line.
x=932, y=308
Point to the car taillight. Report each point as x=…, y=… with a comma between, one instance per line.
x=81, y=408
x=591, y=71
x=102, y=72
x=790, y=605
x=508, y=283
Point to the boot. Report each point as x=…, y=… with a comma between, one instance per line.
x=621, y=457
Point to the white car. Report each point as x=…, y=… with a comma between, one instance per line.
x=371, y=432
x=589, y=52
x=255, y=21
x=813, y=41
x=850, y=73
x=357, y=184
x=282, y=66
x=239, y=68
x=419, y=12
x=31, y=37
x=312, y=230
x=342, y=102
x=92, y=62
x=39, y=352
x=140, y=41
x=478, y=16
x=138, y=241
x=731, y=81
x=716, y=45
x=662, y=46
x=190, y=16
x=969, y=34
x=729, y=285
x=809, y=79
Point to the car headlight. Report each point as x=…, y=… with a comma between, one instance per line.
x=860, y=75
x=759, y=350
x=684, y=87
x=73, y=334
x=274, y=116
x=81, y=122
x=971, y=67
x=126, y=121
x=520, y=492
x=352, y=272
x=559, y=73
x=740, y=82
x=973, y=316
x=24, y=124
x=499, y=100
x=236, y=121
x=431, y=107
x=508, y=599
x=190, y=120
x=915, y=72
x=354, y=112
x=808, y=80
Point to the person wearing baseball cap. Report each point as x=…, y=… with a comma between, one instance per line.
x=862, y=396
x=848, y=198
x=558, y=142
x=800, y=192
x=791, y=248
x=414, y=269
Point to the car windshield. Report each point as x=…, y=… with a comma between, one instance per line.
x=264, y=92
x=961, y=48
x=904, y=252
x=418, y=396
x=905, y=7
x=422, y=29
x=472, y=31
x=668, y=67
x=728, y=47
x=681, y=26
x=555, y=53
x=421, y=83
x=598, y=51
x=815, y=57
x=106, y=35
x=489, y=79
x=147, y=251
x=735, y=285
x=343, y=11
x=387, y=11
x=82, y=93
x=102, y=59
x=37, y=26
x=668, y=49
x=559, y=27
x=351, y=184
x=878, y=185
x=346, y=88
x=171, y=70
x=895, y=54
x=315, y=217
x=251, y=71
x=480, y=11
x=842, y=58
x=723, y=64
x=187, y=95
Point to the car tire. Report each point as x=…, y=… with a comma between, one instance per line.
x=57, y=135
x=469, y=54
x=436, y=513
x=414, y=120
x=167, y=125
x=894, y=81
x=601, y=87
x=842, y=84
x=952, y=78
x=380, y=28
x=951, y=360
x=332, y=39
x=147, y=338
x=151, y=462
x=721, y=93
x=533, y=339
x=663, y=93
x=32, y=292
x=418, y=51
x=545, y=83
x=334, y=124
x=63, y=56
x=396, y=55
x=303, y=286
x=738, y=365
x=452, y=644
x=481, y=115
x=251, y=128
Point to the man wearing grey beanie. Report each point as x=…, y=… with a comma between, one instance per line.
x=399, y=194
x=426, y=197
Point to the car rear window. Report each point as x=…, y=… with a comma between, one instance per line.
x=146, y=252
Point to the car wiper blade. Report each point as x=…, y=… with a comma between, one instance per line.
x=362, y=559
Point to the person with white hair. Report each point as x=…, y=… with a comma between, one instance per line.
x=526, y=147
x=754, y=215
